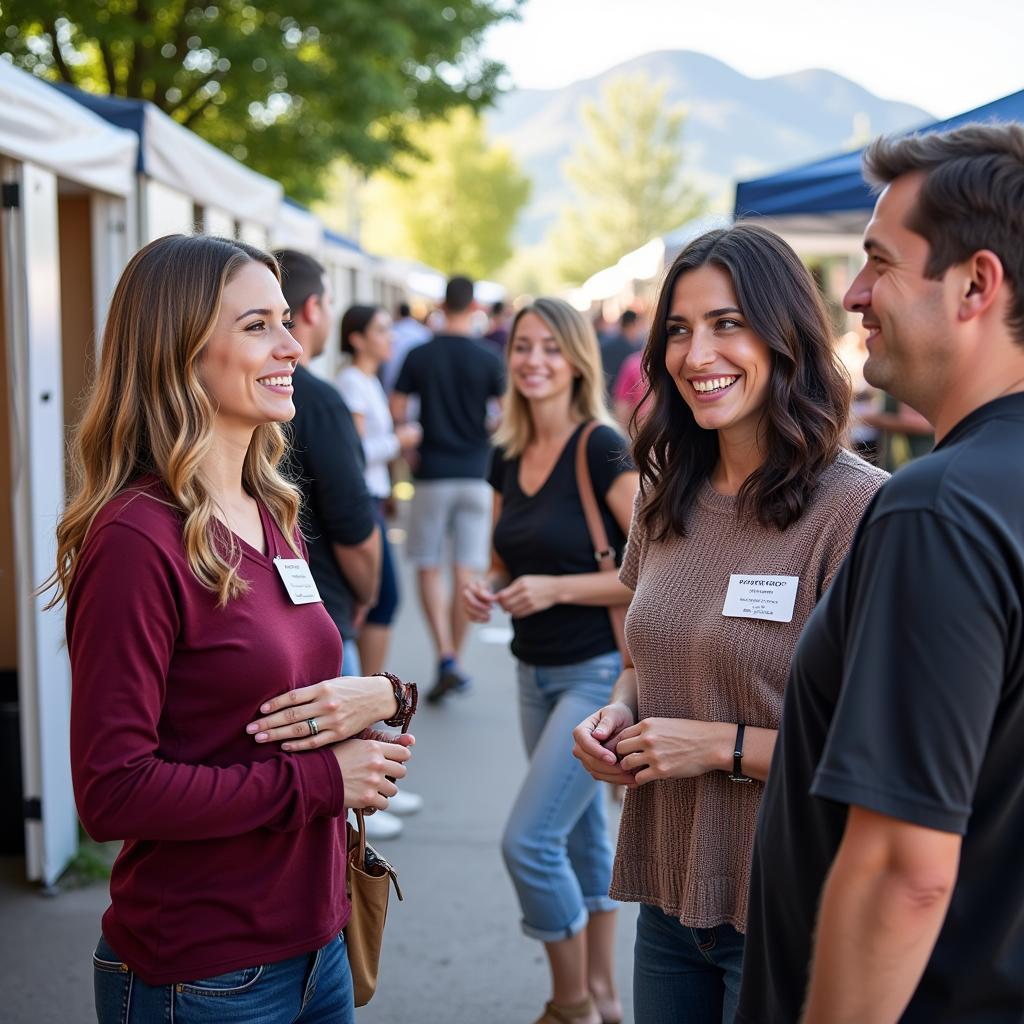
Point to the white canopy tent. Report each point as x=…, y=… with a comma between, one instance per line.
x=178, y=171
x=54, y=156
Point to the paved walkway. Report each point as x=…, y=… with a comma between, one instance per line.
x=453, y=952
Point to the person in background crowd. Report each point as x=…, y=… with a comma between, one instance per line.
x=886, y=880
x=180, y=626
x=905, y=433
x=453, y=376
x=366, y=339
x=628, y=390
x=497, y=333
x=556, y=842
x=406, y=333
x=748, y=505
x=327, y=463
x=617, y=349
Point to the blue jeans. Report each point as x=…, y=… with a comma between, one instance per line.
x=314, y=988
x=383, y=612
x=556, y=844
x=350, y=665
x=685, y=974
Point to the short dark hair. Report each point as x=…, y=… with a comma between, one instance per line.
x=808, y=394
x=458, y=296
x=355, y=321
x=404, y=310
x=972, y=197
x=301, y=276
x=628, y=318
x=498, y=308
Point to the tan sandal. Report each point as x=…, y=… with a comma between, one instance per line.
x=556, y=1014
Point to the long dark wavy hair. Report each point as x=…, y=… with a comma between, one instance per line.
x=808, y=394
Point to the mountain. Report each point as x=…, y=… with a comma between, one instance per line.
x=737, y=128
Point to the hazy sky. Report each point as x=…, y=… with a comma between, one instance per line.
x=946, y=56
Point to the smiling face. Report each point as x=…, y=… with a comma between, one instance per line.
x=248, y=360
x=537, y=366
x=907, y=316
x=720, y=367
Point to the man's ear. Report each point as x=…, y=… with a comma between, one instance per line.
x=983, y=280
x=311, y=309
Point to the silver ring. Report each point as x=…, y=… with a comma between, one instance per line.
x=313, y=727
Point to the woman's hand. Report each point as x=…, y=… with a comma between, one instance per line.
x=674, y=748
x=340, y=707
x=528, y=594
x=409, y=435
x=478, y=599
x=596, y=737
x=369, y=768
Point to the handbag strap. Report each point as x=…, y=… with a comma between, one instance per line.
x=604, y=553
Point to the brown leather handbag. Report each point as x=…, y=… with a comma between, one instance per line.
x=604, y=553
x=368, y=878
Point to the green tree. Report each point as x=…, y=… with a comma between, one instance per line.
x=285, y=88
x=454, y=211
x=629, y=178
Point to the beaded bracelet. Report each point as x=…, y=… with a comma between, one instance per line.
x=406, y=699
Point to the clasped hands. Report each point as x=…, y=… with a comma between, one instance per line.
x=524, y=596
x=615, y=748
x=344, y=709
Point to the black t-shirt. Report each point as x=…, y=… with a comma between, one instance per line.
x=454, y=377
x=546, y=534
x=326, y=462
x=906, y=697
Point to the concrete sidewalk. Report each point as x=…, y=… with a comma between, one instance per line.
x=453, y=952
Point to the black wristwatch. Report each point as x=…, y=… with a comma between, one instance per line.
x=736, y=775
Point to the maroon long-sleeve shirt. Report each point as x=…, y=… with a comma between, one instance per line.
x=234, y=851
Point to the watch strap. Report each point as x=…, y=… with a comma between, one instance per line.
x=737, y=775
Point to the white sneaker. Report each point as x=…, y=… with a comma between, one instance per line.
x=381, y=825
x=404, y=803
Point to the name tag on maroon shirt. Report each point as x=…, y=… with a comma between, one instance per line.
x=298, y=580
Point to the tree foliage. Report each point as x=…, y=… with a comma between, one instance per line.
x=455, y=211
x=284, y=87
x=629, y=178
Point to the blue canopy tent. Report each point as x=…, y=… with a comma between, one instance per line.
x=832, y=187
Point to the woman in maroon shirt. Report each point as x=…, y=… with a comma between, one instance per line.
x=189, y=613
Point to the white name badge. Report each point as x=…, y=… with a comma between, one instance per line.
x=298, y=580
x=761, y=597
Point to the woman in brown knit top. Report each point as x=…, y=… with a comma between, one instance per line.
x=748, y=505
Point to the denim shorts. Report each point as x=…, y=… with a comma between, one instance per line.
x=313, y=988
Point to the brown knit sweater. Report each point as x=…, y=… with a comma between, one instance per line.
x=685, y=844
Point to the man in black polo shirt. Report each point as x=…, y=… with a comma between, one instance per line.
x=454, y=376
x=887, y=881
x=327, y=463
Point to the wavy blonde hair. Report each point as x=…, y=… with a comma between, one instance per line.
x=578, y=344
x=149, y=412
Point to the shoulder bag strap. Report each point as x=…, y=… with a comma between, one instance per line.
x=604, y=553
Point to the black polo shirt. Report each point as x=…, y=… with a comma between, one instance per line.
x=906, y=697
x=326, y=461
x=454, y=376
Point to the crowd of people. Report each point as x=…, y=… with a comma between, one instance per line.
x=806, y=677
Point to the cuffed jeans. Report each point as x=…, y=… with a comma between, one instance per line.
x=556, y=844
x=314, y=988
x=683, y=974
